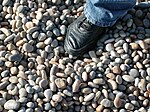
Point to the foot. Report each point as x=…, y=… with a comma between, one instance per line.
x=81, y=36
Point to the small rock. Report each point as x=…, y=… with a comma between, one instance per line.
x=60, y=83
x=116, y=70
x=89, y=97
x=109, y=47
x=11, y=105
x=48, y=93
x=6, y=2
x=99, y=81
x=128, y=78
x=134, y=72
x=43, y=83
x=57, y=98
x=76, y=85
x=28, y=47
x=106, y=103
x=117, y=102
x=129, y=106
x=112, y=84
x=15, y=57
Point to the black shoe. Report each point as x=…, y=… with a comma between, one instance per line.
x=82, y=36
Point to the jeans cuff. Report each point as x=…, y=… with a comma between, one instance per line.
x=98, y=23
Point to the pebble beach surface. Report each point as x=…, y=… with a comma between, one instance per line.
x=37, y=75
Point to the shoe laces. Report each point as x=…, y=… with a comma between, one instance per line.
x=85, y=24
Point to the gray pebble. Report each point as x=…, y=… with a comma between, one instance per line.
x=134, y=72
x=28, y=47
x=6, y=2
x=15, y=57
x=106, y=103
x=30, y=104
x=20, y=9
x=43, y=83
x=128, y=78
x=11, y=105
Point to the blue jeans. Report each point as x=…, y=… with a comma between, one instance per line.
x=105, y=13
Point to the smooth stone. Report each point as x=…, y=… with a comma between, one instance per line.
x=146, y=23
x=117, y=102
x=15, y=57
x=119, y=79
x=134, y=72
x=116, y=70
x=129, y=106
x=4, y=73
x=106, y=103
x=6, y=2
x=30, y=104
x=22, y=92
x=54, y=43
x=48, y=93
x=148, y=71
x=56, y=32
x=69, y=70
x=84, y=76
x=99, y=81
x=112, y=84
x=57, y=98
x=60, y=83
x=43, y=83
x=2, y=101
x=128, y=78
x=28, y=47
x=3, y=84
x=86, y=90
x=138, y=13
x=47, y=106
x=89, y=97
x=76, y=85
x=20, y=9
x=13, y=79
x=68, y=93
x=9, y=38
x=11, y=105
x=109, y=47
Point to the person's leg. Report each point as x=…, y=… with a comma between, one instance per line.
x=106, y=12
x=83, y=33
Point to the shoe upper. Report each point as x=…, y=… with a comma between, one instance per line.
x=81, y=34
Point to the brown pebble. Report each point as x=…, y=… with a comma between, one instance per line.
x=134, y=46
x=76, y=85
x=116, y=70
x=60, y=83
x=117, y=102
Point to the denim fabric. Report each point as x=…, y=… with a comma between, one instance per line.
x=105, y=13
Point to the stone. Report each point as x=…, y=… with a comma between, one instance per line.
x=134, y=72
x=106, y=103
x=12, y=105
x=6, y=2
x=57, y=98
x=116, y=70
x=28, y=47
x=43, y=83
x=15, y=57
x=89, y=97
x=148, y=71
x=76, y=85
x=129, y=106
x=99, y=81
x=112, y=84
x=128, y=78
x=109, y=47
x=60, y=83
x=117, y=102
x=48, y=93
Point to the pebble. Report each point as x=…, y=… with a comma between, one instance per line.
x=89, y=97
x=60, y=83
x=48, y=93
x=128, y=78
x=5, y=2
x=117, y=102
x=106, y=103
x=99, y=81
x=134, y=73
x=112, y=84
x=148, y=71
x=129, y=106
x=12, y=105
x=76, y=85
x=15, y=57
x=57, y=98
x=43, y=83
x=116, y=70
x=109, y=47
x=28, y=47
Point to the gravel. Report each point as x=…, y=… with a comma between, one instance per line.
x=36, y=74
